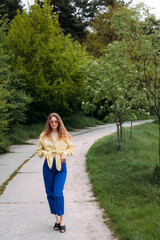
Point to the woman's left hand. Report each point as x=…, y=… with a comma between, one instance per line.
x=63, y=158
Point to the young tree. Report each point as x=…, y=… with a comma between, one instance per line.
x=112, y=79
x=141, y=36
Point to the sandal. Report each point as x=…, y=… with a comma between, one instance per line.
x=57, y=226
x=62, y=229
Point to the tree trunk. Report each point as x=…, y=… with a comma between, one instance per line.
x=159, y=140
x=131, y=130
x=118, y=130
x=121, y=132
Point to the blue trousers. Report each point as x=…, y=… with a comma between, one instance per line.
x=54, y=181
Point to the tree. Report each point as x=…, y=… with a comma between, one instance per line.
x=75, y=15
x=50, y=62
x=111, y=79
x=68, y=19
x=13, y=101
x=9, y=8
x=141, y=37
x=102, y=33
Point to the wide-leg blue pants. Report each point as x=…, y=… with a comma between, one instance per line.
x=54, y=181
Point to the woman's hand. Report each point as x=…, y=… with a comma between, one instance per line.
x=63, y=158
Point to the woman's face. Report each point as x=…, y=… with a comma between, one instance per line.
x=54, y=123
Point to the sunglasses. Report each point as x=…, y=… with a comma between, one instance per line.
x=56, y=122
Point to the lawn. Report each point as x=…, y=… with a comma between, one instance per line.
x=123, y=182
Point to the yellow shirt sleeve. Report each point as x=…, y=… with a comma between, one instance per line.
x=70, y=149
x=40, y=149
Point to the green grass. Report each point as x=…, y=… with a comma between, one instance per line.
x=80, y=121
x=123, y=182
x=21, y=133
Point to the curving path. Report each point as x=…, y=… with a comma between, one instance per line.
x=24, y=211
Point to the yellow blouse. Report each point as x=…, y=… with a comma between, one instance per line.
x=46, y=147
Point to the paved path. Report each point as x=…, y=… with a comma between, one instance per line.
x=24, y=211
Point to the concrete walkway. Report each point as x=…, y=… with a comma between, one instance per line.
x=24, y=211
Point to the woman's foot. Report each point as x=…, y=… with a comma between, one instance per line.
x=57, y=226
x=62, y=229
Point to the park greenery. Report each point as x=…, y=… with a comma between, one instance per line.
x=75, y=15
x=124, y=184
x=42, y=70
x=86, y=59
x=127, y=75
x=102, y=33
x=9, y=8
x=111, y=72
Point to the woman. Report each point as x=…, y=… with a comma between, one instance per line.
x=55, y=143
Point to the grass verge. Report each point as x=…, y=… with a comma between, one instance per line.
x=80, y=121
x=19, y=134
x=123, y=182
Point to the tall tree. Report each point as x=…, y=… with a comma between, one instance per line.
x=110, y=78
x=101, y=32
x=9, y=8
x=75, y=15
x=69, y=22
x=51, y=63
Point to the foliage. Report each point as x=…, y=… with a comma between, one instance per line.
x=101, y=33
x=143, y=45
x=128, y=71
x=78, y=121
x=111, y=79
x=9, y=8
x=69, y=20
x=122, y=182
x=51, y=63
x=20, y=133
x=3, y=118
x=17, y=99
x=3, y=92
x=75, y=15
x=140, y=32
x=13, y=100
